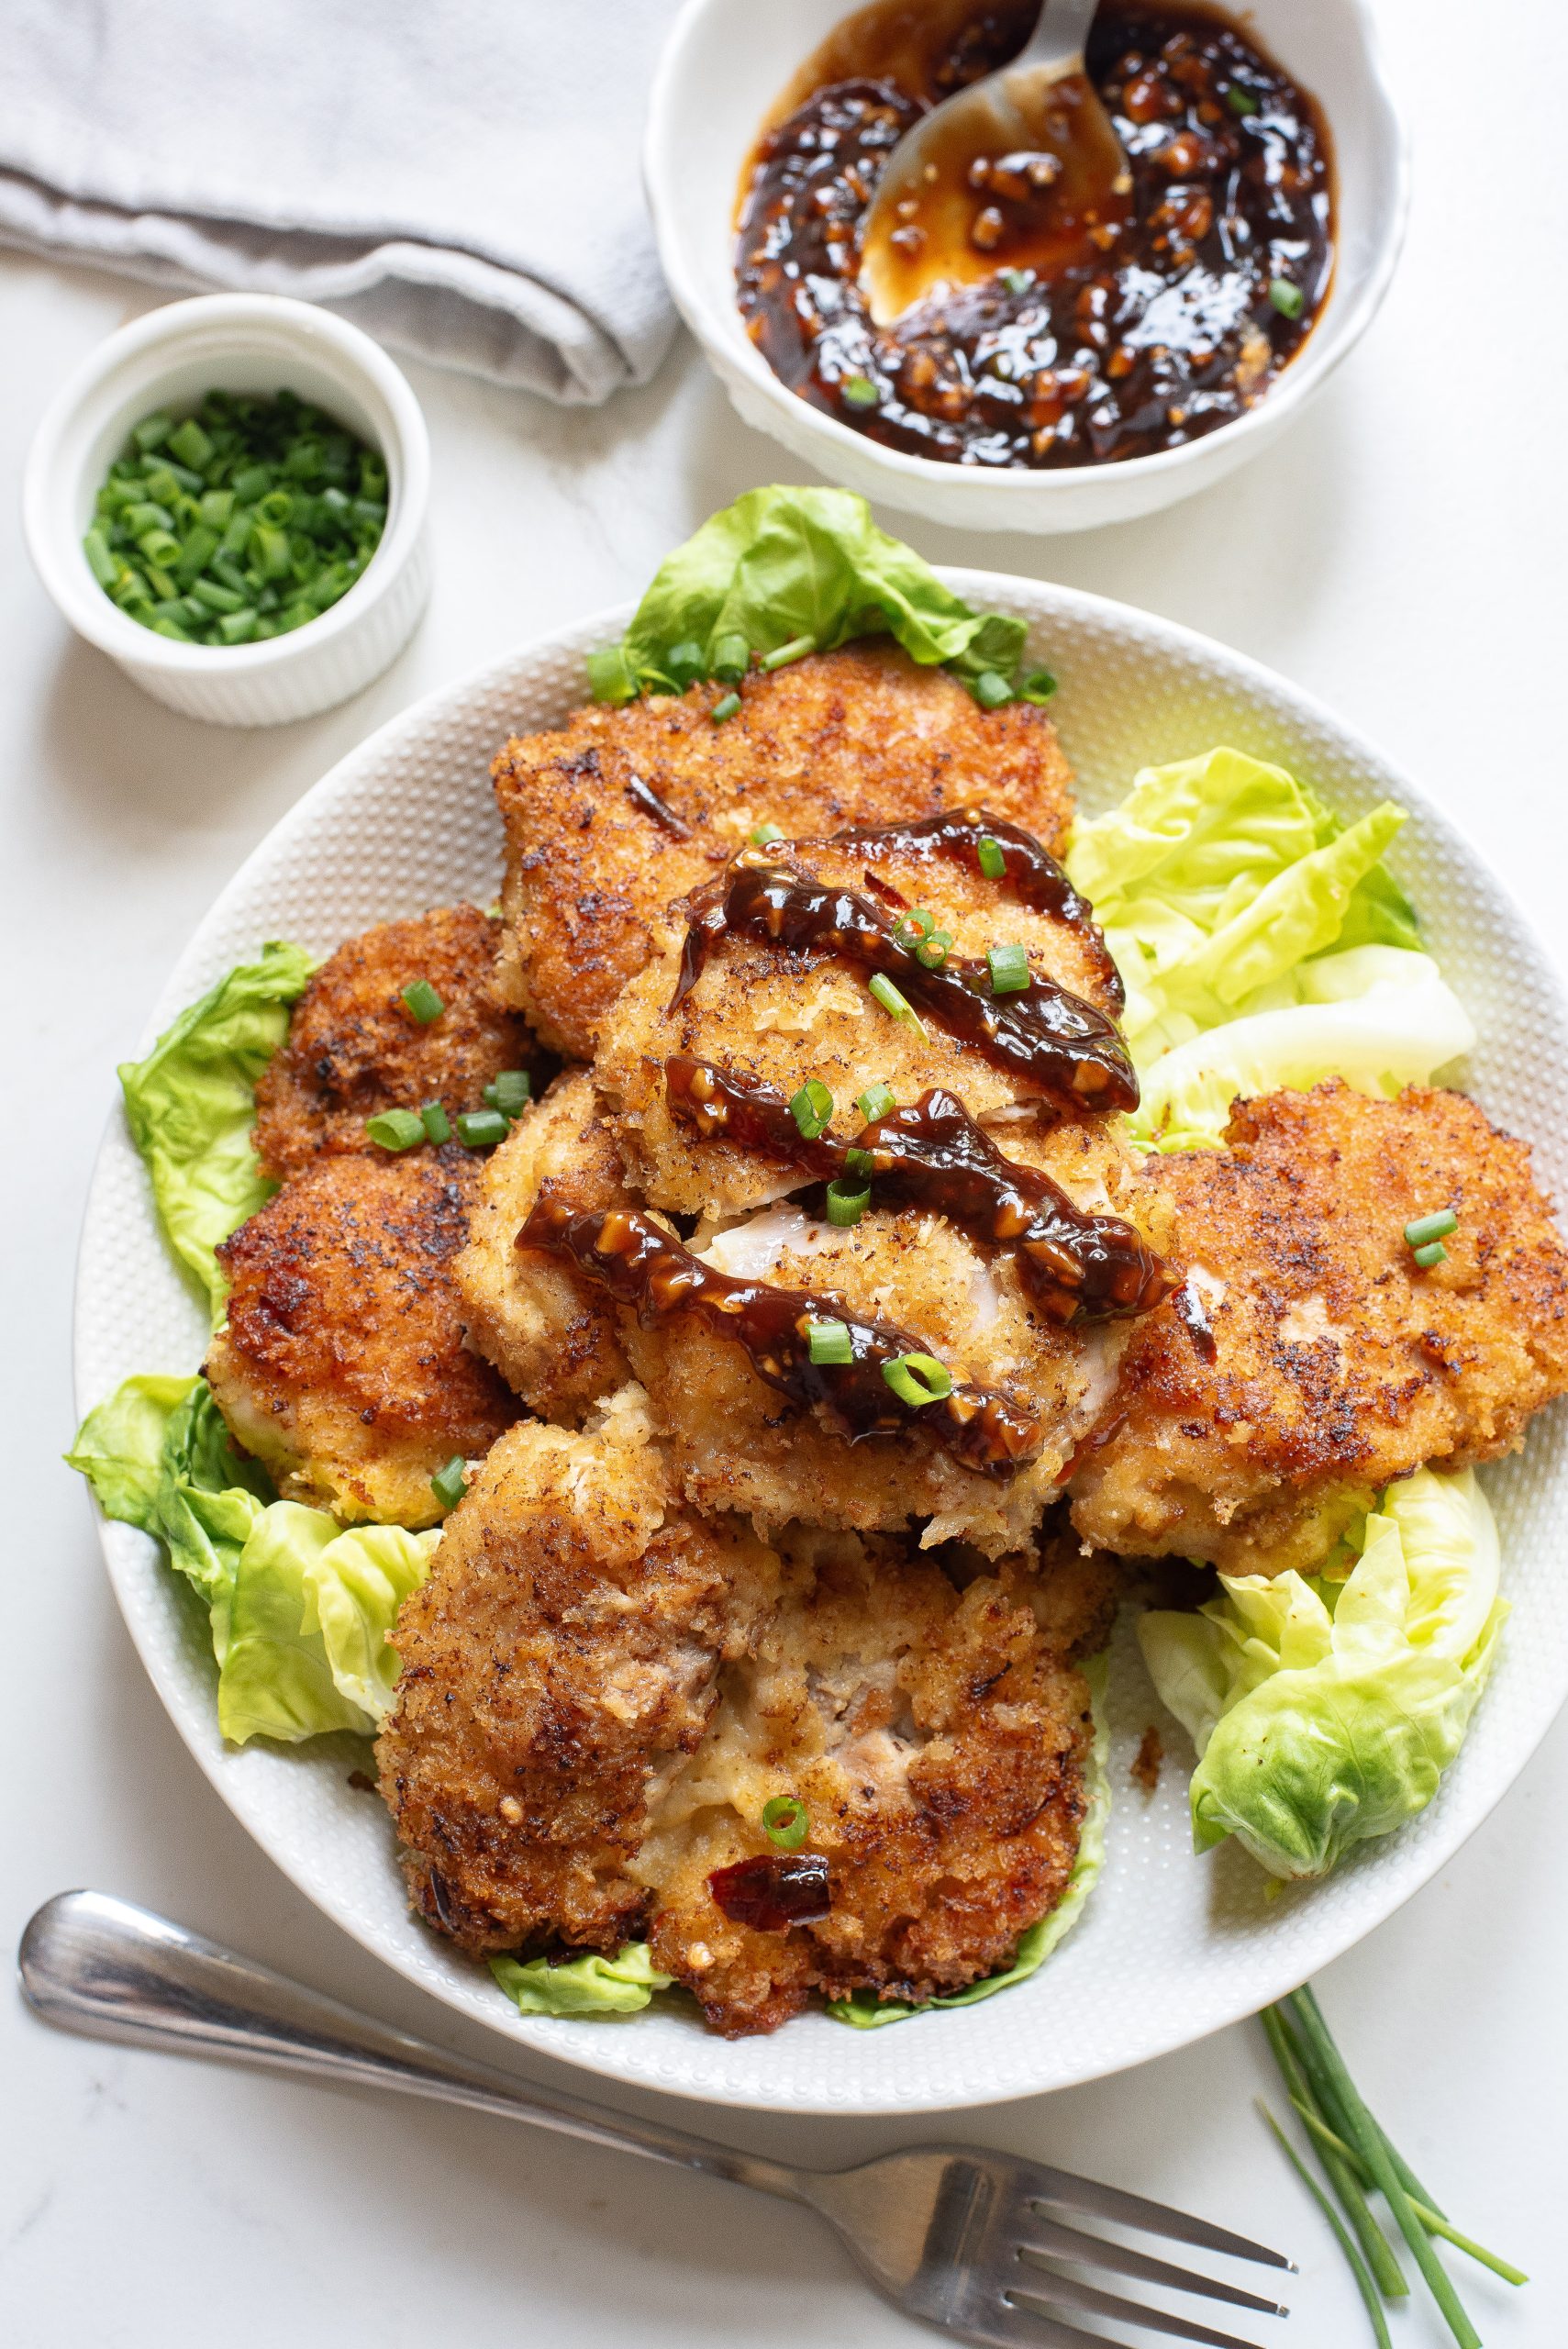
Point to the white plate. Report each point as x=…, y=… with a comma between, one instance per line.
x=1171, y=1947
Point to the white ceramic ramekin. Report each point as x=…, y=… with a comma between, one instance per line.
x=235, y=342
x=723, y=69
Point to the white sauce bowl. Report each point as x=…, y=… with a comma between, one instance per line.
x=724, y=67
x=235, y=342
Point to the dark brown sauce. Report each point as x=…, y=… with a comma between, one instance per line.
x=642, y=795
x=1076, y=1265
x=1030, y=874
x=772, y=1893
x=1166, y=329
x=1189, y=1311
x=1044, y=1033
x=647, y=1268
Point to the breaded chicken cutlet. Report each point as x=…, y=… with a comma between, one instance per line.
x=623, y=810
x=601, y=1692
x=342, y=1365
x=354, y=1047
x=1308, y=1361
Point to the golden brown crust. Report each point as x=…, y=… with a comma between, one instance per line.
x=1339, y=1366
x=859, y=735
x=342, y=1365
x=353, y=1046
x=561, y=1652
x=553, y=1336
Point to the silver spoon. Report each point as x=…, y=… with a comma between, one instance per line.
x=1024, y=166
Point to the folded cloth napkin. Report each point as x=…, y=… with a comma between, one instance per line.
x=460, y=178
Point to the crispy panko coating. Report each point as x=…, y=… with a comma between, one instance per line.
x=1338, y=1365
x=341, y=1365
x=354, y=1047
x=600, y=1692
x=624, y=809
x=558, y=1663
x=553, y=1336
x=938, y=1745
x=764, y=1013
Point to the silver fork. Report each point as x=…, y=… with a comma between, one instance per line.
x=955, y=2234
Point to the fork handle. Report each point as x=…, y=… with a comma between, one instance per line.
x=110, y=1970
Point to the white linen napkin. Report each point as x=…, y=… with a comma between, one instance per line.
x=460, y=177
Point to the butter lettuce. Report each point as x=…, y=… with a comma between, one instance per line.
x=192, y=1102
x=1324, y=1710
x=866, y=2011
x=586, y=1985
x=301, y=1611
x=780, y=564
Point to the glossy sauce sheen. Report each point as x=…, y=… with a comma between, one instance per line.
x=933, y=1156
x=648, y=1269
x=1161, y=333
x=771, y=1895
x=1045, y=1032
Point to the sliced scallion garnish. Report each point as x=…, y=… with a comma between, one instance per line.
x=785, y=1823
x=510, y=1092
x=726, y=706
x=1287, y=298
x=437, y=1124
x=892, y=999
x=1009, y=967
x=450, y=1483
x=859, y=391
x=992, y=864
x=991, y=689
x=1424, y=1228
x=763, y=835
x=917, y=1379
x=1241, y=101
x=933, y=951
x=1039, y=687
x=812, y=1108
x=396, y=1129
x=422, y=1003
x=481, y=1128
x=1434, y=1252
x=795, y=650
x=685, y=663
x=876, y=1102
x=847, y=1202
x=828, y=1340
x=731, y=659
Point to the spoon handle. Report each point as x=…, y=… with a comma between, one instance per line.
x=109, y=1970
x=1059, y=35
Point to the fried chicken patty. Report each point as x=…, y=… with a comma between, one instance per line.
x=622, y=811
x=600, y=1692
x=354, y=1047
x=1333, y=1364
x=764, y=1013
x=553, y=1336
x=341, y=1365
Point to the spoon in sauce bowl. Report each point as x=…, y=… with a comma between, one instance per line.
x=1022, y=170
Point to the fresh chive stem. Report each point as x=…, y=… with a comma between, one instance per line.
x=1370, y=2142
x=1357, y=2264
x=1374, y=2243
x=1431, y=2218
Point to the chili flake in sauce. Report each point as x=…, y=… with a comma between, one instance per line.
x=1200, y=297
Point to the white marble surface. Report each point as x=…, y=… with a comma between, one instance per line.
x=1400, y=555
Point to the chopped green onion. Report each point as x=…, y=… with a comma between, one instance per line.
x=216, y=598
x=422, y=1003
x=251, y=483
x=1010, y=969
x=847, y=1202
x=1288, y=299
x=731, y=659
x=1437, y=1226
x=859, y=1162
x=192, y=445
x=883, y=991
x=828, y=1340
x=911, y=928
x=100, y=561
x=1434, y=1252
x=610, y=675
x=917, y=1379
x=685, y=663
x=510, y=1092
x=1241, y=101
x=1017, y=281
x=396, y=1129
x=724, y=708
x=437, y=1124
x=153, y=430
x=450, y=1483
x=991, y=689
x=1039, y=687
x=795, y=650
x=238, y=628
x=761, y=834
x=933, y=951
x=992, y=864
x=481, y=1129
x=859, y=391
x=876, y=1102
x=812, y=1108
x=785, y=1823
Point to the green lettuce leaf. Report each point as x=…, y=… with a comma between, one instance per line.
x=302, y=1612
x=588, y=1985
x=192, y=1102
x=782, y=564
x=1379, y=1017
x=1325, y=1711
x=1216, y=879
x=866, y=2011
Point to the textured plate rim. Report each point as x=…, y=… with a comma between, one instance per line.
x=122, y=1545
